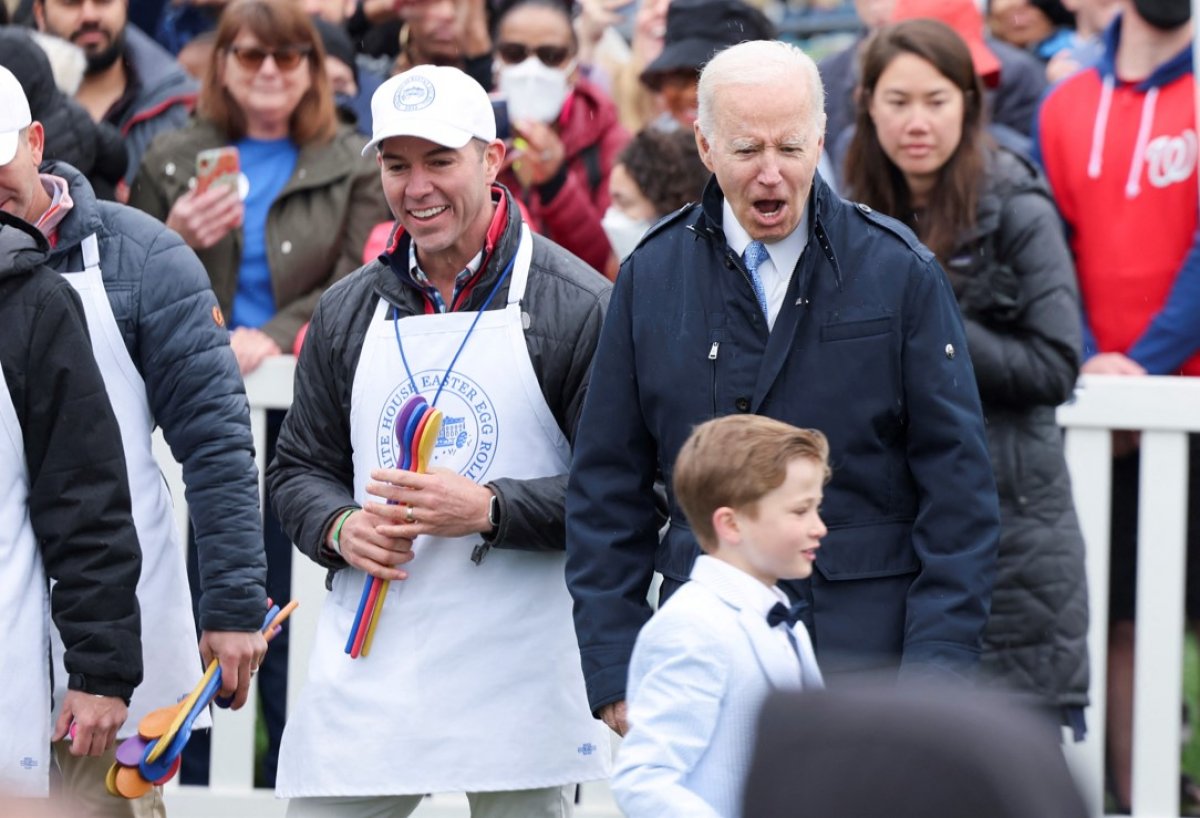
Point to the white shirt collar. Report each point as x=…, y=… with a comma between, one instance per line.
x=784, y=253
x=735, y=586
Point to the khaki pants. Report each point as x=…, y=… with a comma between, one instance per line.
x=551, y=802
x=82, y=787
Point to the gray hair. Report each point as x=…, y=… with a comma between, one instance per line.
x=758, y=62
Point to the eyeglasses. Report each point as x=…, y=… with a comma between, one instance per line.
x=552, y=56
x=286, y=58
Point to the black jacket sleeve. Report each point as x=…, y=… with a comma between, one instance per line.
x=1032, y=360
x=79, y=502
x=311, y=479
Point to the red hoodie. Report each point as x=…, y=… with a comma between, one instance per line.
x=1121, y=160
x=572, y=218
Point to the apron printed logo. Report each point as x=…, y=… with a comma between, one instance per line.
x=467, y=440
x=587, y=748
x=28, y=763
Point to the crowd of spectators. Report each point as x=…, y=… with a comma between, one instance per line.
x=1031, y=145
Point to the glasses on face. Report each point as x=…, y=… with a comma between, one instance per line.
x=552, y=56
x=286, y=58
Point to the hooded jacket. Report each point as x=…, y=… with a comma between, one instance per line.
x=167, y=315
x=1121, y=161
x=79, y=503
x=568, y=209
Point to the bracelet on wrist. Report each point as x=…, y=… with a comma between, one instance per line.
x=336, y=540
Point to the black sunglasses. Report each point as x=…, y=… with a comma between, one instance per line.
x=552, y=56
x=286, y=58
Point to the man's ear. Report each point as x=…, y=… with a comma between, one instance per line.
x=493, y=159
x=37, y=142
x=703, y=146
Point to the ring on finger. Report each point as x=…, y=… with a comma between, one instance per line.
x=409, y=517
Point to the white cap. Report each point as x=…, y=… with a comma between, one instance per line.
x=14, y=115
x=434, y=102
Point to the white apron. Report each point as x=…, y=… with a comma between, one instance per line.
x=473, y=682
x=25, y=612
x=169, y=653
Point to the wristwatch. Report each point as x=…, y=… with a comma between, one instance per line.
x=494, y=514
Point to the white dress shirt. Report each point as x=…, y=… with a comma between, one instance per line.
x=782, y=256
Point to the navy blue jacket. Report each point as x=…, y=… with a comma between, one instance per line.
x=869, y=348
x=167, y=314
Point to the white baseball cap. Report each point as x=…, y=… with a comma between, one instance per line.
x=14, y=115
x=434, y=102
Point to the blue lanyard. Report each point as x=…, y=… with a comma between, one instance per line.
x=396, y=326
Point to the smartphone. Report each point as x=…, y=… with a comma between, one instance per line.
x=503, y=125
x=217, y=166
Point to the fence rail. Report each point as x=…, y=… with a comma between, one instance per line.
x=1164, y=409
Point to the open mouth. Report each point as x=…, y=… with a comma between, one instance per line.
x=769, y=208
x=427, y=213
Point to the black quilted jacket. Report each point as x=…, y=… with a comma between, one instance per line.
x=1015, y=283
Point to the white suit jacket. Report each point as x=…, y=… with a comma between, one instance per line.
x=701, y=668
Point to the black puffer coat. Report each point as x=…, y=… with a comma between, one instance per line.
x=78, y=499
x=1016, y=287
x=94, y=148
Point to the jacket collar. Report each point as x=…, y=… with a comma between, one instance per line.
x=735, y=587
x=822, y=204
x=1169, y=71
x=394, y=283
x=84, y=217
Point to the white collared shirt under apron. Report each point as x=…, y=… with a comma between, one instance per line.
x=782, y=257
x=473, y=682
x=25, y=607
x=170, y=657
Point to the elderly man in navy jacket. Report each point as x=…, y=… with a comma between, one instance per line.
x=775, y=296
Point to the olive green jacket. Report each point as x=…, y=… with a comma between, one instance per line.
x=316, y=228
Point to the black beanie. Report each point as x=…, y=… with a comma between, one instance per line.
x=337, y=43
x=1056, y=11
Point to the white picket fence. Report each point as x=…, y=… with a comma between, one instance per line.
x=1165, y=409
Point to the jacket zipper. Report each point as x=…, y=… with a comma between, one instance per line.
x=712, y=356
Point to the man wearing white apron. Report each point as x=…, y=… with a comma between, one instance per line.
x=473, y=681
x=64, y=514
x=164, y=354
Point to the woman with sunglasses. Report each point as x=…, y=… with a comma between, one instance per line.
x=920, y=153
x=565, y=133
x=306, y=198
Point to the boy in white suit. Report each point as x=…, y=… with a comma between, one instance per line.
x=751, y=489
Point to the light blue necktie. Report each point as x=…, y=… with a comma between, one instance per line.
x=753, y=257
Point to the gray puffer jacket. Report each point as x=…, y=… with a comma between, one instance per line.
x=311, y=479
x=169, y=319
x=1016, y=287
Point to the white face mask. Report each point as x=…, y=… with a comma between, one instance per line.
x=623, y=232
x=533, y=90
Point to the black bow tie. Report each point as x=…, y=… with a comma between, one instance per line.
x=782, y=613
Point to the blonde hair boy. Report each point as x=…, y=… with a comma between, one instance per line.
x=751, y=488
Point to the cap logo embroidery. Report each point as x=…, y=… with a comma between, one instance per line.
x=416, y=93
